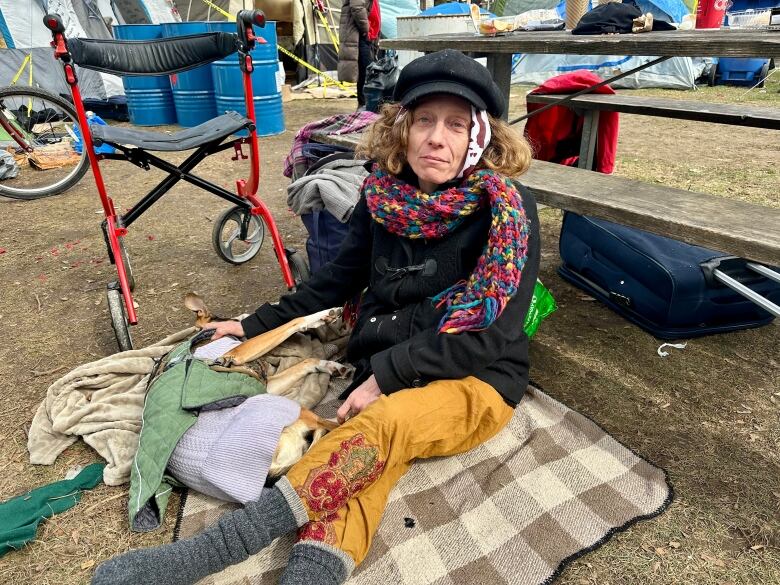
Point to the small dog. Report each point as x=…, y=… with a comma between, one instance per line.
x=298, y=437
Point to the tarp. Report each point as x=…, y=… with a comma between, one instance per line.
x=391, y=10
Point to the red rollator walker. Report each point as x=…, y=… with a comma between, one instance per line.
x=167, y=57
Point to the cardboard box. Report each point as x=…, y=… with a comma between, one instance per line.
x=279, y=10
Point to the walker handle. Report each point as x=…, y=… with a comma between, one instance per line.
x=54, y=23
x=245, y=19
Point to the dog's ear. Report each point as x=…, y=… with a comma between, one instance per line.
x=196, y=304
x=314, y=422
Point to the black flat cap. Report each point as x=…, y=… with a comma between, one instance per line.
x=450, y=72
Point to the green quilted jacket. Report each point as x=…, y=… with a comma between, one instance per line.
x=180, y=387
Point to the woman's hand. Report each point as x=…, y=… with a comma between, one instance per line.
x=222, y=328
x=360, y=398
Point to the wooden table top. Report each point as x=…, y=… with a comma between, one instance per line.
x=695, y=43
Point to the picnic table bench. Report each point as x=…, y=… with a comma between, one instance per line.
x=734, y=115
x=735, y=227
x=591, y=104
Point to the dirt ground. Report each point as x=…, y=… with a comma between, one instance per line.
x=709, y=414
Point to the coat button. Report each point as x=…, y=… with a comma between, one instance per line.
x=417, y=383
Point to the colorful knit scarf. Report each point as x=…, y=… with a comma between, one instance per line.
x=406, y=211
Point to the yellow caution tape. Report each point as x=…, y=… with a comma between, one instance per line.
x=333, y=38
x=27, y=59
x=341, y=84
x=221, y=11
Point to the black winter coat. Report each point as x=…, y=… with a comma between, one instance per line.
x=396, y=335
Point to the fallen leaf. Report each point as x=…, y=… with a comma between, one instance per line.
x=87, y=564
x=660, y=551
x=674, y=544
x=74, y=536
x=757, y=547
x=656, y=566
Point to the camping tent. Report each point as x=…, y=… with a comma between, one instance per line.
x=21, y=25
x=676, y=73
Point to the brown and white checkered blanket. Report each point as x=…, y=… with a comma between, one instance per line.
x=550, y=486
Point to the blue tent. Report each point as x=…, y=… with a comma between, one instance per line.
x=453, y=8
x=667, y=10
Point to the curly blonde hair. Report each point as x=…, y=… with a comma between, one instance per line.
x=386, y=141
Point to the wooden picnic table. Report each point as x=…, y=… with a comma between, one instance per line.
x=499, y=49
x=743, y=229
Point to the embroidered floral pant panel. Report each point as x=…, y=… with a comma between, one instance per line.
x=345, y=479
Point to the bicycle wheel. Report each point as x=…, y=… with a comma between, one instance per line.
x=45, y=157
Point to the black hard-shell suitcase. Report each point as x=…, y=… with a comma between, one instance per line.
x=669, y=288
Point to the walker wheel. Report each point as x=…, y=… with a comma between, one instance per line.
x=122, y=252
x=298, y=266
x=226, y=236
x=116, y=307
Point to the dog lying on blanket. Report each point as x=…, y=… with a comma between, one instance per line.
x=299, y=436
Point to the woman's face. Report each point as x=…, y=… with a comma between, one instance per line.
x=438, y=140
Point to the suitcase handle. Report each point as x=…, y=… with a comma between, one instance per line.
x=748, y=293
x=733, y=266
x=715, y=273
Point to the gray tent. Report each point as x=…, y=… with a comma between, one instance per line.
x=21, y=25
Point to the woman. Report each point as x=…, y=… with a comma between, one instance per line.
x=447, y=251
x=358, y=33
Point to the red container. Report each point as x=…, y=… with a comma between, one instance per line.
x=710, y=13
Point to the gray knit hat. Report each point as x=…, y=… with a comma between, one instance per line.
x=226, y=453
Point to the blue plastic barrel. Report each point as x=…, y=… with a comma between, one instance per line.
x=149, y=98
x=229, y=85
x=193, y=90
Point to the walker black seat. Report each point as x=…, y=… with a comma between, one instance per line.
x=212, y=131
x=152, y=57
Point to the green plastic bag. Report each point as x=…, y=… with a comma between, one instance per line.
x=542, y=305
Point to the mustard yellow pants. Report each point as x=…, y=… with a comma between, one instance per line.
x=345, y=478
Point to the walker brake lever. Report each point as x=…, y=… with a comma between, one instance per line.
x=239, y=148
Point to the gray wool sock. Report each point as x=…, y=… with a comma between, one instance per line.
x=315, y=563
x=232, y=539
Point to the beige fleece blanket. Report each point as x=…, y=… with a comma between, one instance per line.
x=102, y=401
